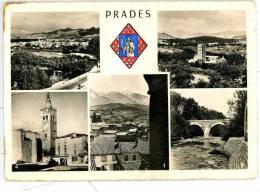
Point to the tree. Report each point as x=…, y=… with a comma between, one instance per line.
x=93, y=47
x=191, y=109
x=184, y=109
x=237, y=112
x=201, y=84
x=181, y=76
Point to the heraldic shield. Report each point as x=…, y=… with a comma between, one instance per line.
x=128, y=45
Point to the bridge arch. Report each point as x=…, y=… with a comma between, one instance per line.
x=196, y=130
x=217, y=129
x=208, y=126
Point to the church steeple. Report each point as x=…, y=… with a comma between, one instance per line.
x=49, y=126
x=48, y=101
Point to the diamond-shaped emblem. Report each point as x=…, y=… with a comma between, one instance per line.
x=128, y=45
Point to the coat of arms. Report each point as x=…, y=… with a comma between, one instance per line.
x=128, y=45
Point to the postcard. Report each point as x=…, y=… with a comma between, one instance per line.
x=130, y=91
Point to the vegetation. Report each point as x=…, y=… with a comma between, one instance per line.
x=174, y=59
x=184, y=109
x=29, y=71
x=237, y=112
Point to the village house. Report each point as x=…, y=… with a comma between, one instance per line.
x=27, y=146
x=71, y=149
x=113, y=153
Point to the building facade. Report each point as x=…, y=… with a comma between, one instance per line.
x=27, y=146
x=72, y=149
x=48, y=127
x=202, y=52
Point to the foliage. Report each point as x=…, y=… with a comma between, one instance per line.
x=93, y=47
x=29, y=71
x=237, y=112
x=231, y=74
x=184, y=109
x=96, y=118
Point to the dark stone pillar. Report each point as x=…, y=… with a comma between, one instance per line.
x=158, y=118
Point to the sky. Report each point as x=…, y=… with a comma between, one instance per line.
x=186, y=23
x=71, y=111
x=216, y=99
x=108, y=83
x=27, y=23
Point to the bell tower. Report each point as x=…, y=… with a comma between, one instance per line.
x=48, y=127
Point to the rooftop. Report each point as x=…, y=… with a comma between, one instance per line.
x=122, y=133
x=111, y=132
x=72, y=135
x=108, y=145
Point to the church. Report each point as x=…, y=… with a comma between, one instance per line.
x=48, y=127
x=39, y=148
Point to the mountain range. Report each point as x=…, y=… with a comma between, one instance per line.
x=60, y=33
x=190, y=34
x=123, y=97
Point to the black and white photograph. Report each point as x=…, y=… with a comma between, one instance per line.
x=49, y=131
x=209, y=129
x=203, y=49
x=53, y=50
x=129, y=122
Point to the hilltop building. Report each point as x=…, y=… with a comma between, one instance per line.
x=204, y=58
x=27, y=146
x=48, y=127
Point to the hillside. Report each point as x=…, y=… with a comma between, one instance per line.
x=163, y=36
x=62, y=34
x=209, y=39
x=121, y=113
x=229, y=34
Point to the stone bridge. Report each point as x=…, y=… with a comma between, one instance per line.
x=207, y=125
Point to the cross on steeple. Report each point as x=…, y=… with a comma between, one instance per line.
x=48, y=101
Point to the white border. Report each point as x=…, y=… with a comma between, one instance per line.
x=251, y=172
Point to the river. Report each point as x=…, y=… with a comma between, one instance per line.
x=189, y=154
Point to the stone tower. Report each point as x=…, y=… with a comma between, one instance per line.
x=202, y=52
x=48, y=127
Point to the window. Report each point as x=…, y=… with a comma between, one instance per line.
x=43, y=117
x=46, y=117
x=45, y=135
x=75, y=151
x=104, y=158
x=126, y=157
x=134, y=157
x=58, y=149
x=65, y=149
x=74, y=158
